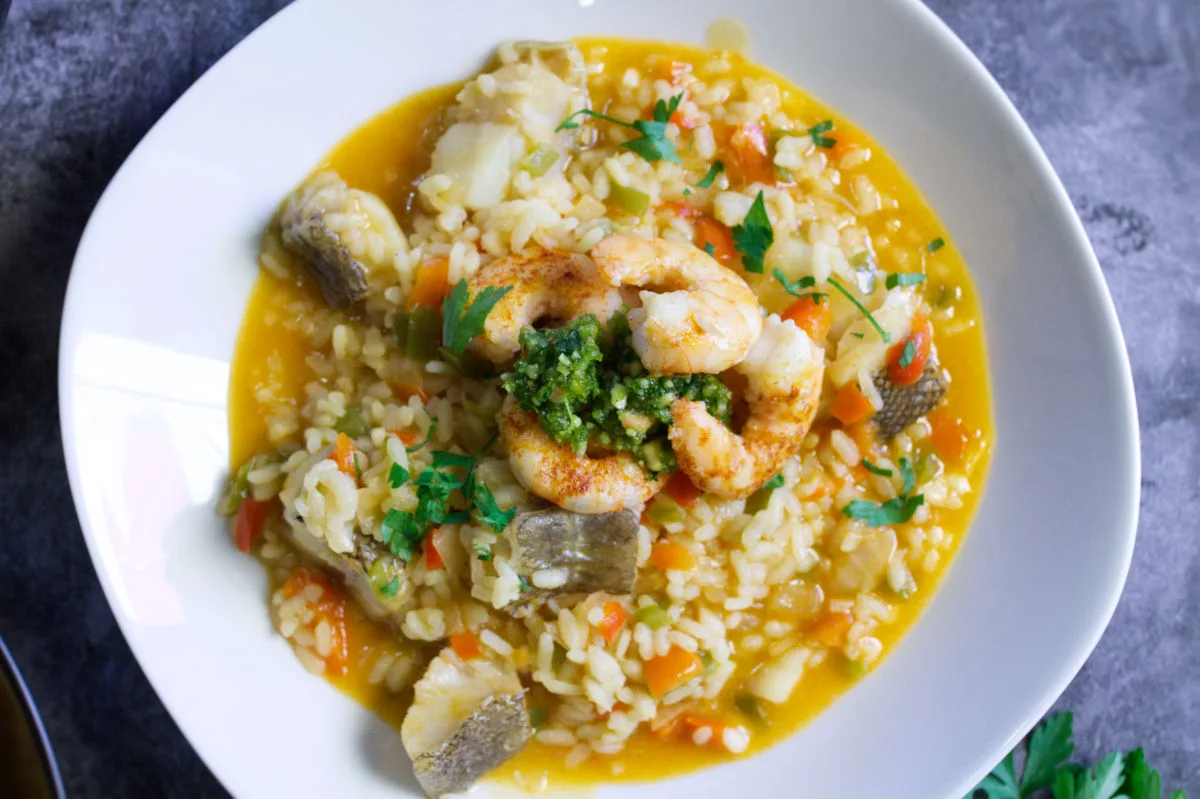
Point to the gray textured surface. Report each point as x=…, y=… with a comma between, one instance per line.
x=1111, y=88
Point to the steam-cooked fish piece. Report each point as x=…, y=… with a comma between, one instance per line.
x=560, y=552
x=465, y=720
x=341, y=234
x=320, y=505
x=903, y=405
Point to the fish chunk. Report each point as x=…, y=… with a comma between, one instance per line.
x=340, y=234
x=560, y=552
x=467, y=717
x=903, y=405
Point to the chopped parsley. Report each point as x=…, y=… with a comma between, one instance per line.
x=908, y=353
x=653, y=144
x=482, y=553
x=428, y=435
x=904, y=279
x=796, y=287
x=391, y=588
x=710, y=249
x=894, y=511
x=707, y=181
x=398, y=475
x=460, y=324
x=754, y=236
x=773, y=483
x=858, y=336
x=935, y=245
x=883, y=334
x=586, y=385
x=522, y=583
x=822, y=127
x=873, y=469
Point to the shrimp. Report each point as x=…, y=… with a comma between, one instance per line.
x=545, y=283
x=783, y=372
x=577, y=483
x=696, y=316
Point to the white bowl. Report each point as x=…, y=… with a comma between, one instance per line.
x=167, y=261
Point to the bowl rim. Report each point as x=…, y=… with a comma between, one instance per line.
x=1049, y=182
x=10, y=673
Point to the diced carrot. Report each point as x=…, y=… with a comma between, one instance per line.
x=811, y=316
x=844, y=143
x=831, y=628
x=707, y=230
x=850, y=405
x=613, y=620
x=681, y=208
x=429, y=287
x=667, y=672
x=948, y=435
x=696, y=722
x=407, y=437
x=906, y=359
x=433, y=558
x=248, y=523
x=751, y=161
x=343, y=455
x=465, y=645
x=865, y=438
x=682, y=490
x=670, y=556
x=330, y=608
x=405, y=391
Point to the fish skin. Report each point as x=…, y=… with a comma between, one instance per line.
x=598, y=550
x=343, y=278
x=495, y=732
x=903, y=405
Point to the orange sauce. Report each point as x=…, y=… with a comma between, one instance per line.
x=389, y=153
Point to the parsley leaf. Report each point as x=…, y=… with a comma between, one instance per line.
x=904, y=279
x=822, y=127
x=1001, y=783
x=401, y=533
x=883, y=334
x=460, y=324
x=1103, y=782
x=935, y=245
x=773, y=483
x=653, y=145
x=452, y=460
x=873, y=469
x=489, y=510
x=907, y=354
x=707, y=181
x=794, y=287
x=1049, y=745
x=858, y=336
x=894, y=511
x=391, y=588
x=710, y=249
x=754, y=236
x=398, y=475
x=483, y=553
x=428, y=435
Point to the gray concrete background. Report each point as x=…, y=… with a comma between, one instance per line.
x=1111, y=88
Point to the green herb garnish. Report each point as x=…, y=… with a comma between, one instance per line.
x=796, y=287
x=894, y=511
x=401, y=533
x=460, y=324
x=873, y=469
x=773, y=483
x=710, y=249
x=858, y=336
x=908, y=354
x=883, y=334
x=653, y=145
x=482, y=553
x=707, y=181
x=822, y=127
x=428, y=435
x=935, y=245
x=538, y=716
x=754, y=236
x=398, y=475
x=904, y=279
x=391, y=588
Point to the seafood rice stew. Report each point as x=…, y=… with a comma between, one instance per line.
x=604, y=416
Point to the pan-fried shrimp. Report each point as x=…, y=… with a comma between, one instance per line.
x=545, y=284
x=783, y=371
x=696, y=317
x=577, y=483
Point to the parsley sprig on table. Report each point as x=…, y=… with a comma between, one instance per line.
x=1117, y=776
x=653, y=144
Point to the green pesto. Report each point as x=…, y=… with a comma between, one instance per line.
x=586, y=385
